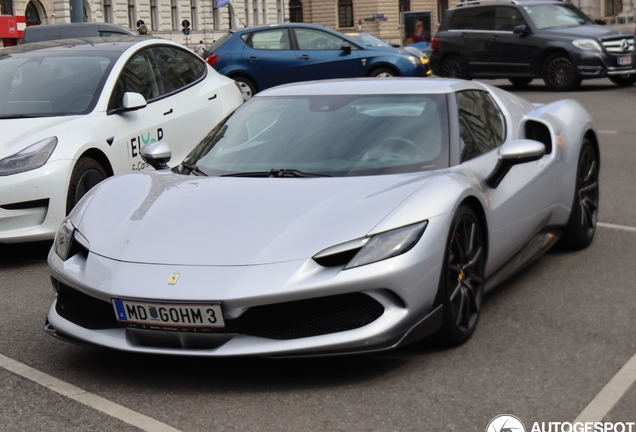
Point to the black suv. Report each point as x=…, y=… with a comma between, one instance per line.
x=527, y=39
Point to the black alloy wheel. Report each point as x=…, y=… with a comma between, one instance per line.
x=87, y=173
x=453, y=67
x=559, y=73
x=462, y=281
x=581, y=226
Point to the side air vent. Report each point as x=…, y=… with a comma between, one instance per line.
x=539, y=132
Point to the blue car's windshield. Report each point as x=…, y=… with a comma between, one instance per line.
x=330, y=135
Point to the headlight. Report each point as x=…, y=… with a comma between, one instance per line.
x=368, y=250
x=28, y=159
x=64, y=239
x=587, y=45
x=69, y=241
x=416, y=61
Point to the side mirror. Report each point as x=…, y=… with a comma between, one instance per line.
x=133, y=101
x=599, y=21
x=514, y=153
x=520, y=29
x=156, y=154
x=394, y=45
x=346, y=47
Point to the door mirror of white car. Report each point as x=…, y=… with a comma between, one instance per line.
x=133, y=101
x=156, y=154
x=514, y=153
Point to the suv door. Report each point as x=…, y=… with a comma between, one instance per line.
x=320, y=56
x=474, y=25
x=511, y=53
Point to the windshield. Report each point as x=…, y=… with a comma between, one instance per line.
x=556, y=15
x=36, y=84
x=329, y=135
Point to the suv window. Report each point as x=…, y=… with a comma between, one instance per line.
x=481, y=18
x=506, y=18
x=481, y=123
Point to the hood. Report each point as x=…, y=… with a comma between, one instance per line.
x=18, y=134
x=586, y=32
x=164, y=218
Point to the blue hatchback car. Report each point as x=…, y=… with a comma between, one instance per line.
x=262, y=57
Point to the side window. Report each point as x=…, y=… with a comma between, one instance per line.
x=483, y=18
x=506, y=18
x=277, y=39
x=481, y=123
x=460, y=20
x=309, y=39
x=140, y=76
x=178, y=68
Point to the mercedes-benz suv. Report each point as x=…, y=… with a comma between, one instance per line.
x=525, y=39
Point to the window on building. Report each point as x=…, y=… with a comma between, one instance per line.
x=216, y=17
x=108, y=11
x=154, y=15
x=345, y=13
x=193, y=14
x=295, y=11
x=132, y=19
x=442, y=7
x=7, y=7
x=174, y=13
x=404, y=5
x=32, y=15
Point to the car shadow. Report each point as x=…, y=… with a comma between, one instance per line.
x=11, y=255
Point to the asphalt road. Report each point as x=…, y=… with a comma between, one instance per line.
x=548, y=342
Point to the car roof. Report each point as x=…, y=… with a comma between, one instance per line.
x=112, y=43
x=373, y=86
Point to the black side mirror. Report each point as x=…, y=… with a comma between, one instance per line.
x=346, y=47
x=514, y=153
x=520, y=29
x=156, y=154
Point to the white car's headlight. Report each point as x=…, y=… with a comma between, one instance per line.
x=416, y=61
x=69, y=242
x=372, y=249
x=28, y=159
x=587, y=45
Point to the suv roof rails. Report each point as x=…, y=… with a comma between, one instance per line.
x=477, y=2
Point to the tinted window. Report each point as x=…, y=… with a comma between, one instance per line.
x=335, y=135
x=310, y=39
x=506, y=18
x=277, y=39
x=475, y=18
x=481, y=123
x=178, y=68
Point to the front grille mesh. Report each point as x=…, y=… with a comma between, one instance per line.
x=289, y=320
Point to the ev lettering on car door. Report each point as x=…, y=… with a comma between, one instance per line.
x=135, y=144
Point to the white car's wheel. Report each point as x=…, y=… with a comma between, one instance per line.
x=86, y=174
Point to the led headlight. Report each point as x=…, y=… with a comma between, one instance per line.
x=28, y=159
x=587, y=45
x=368, y=250
x=416, y=61
x=64, y=239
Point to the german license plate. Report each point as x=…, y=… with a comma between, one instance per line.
x=624, y=61
x=168, y=316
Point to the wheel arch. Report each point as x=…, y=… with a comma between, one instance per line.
x=101, y=159
x=552, y=50
x=241, y=74
x=475, y=205
x=590, y=135
x=377, y=66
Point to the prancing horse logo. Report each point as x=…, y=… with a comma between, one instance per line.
x=174, y=277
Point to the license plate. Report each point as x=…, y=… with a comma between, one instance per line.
x=168, y=316
x=624, y=61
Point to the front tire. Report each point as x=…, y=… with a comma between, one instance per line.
x=86, y=174
x=382, y=73
x=623, y=80
x=453, y=67
x=581, y=226
x=461, y=283
x=559, y=73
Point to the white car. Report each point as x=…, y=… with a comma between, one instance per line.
x=73, y=112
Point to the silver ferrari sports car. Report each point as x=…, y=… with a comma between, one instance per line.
x=327, y=218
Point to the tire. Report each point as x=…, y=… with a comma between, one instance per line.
x=382, y=73
x=248, y=88
x=461, y=283
x=623, y=80
x=520, y=82
x=453, y=67
x=559, y=73
x=579, y=231
x=86, y=174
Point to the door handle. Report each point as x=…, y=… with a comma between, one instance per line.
x=169, y=112
x=463, y=35
x=304, y=57
x=253, y=59
x=494, y=38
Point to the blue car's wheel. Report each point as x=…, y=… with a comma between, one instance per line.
x=461, y=284
x=248, y=88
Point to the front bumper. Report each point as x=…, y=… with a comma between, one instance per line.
x=601, y=65
x=33, y=203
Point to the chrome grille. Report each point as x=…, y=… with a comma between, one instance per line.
x=615, y=46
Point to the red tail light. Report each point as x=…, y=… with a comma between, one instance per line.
x=434, y=44
x=212, y=59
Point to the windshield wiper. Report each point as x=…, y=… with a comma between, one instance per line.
x=193, y=169
x=276, y=173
